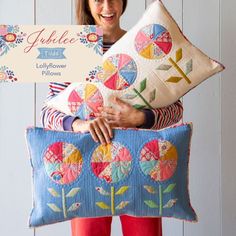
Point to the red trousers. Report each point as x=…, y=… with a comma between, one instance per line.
x=131, y=226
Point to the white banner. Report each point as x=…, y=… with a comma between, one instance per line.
x=46, y=53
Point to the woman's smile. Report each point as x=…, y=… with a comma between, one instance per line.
x=107, y=13
x=108, y=17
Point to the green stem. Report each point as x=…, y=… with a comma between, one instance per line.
x=179, y=70
x=112, y=200
x=64, y=202
x=160, y=200
x=144, y=100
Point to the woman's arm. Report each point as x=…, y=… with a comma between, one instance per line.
x=124, y=115
x=163, y=117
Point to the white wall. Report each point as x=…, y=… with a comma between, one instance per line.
x=211, y=106
x=16, y=112
x=202, y=106
x=228, y=112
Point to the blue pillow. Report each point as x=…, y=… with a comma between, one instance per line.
x=141, y=173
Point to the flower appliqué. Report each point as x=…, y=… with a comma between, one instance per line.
x=119, y=72
x=84, y=100
x=63, y=162
x=158, y=160
x=111, y=162
x=153, y=42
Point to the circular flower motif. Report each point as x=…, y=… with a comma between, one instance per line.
x=153, y=42
x=3, y=76
x=10, y=37
x=63, y=162
x=119, y=72
x=3, y=30
x=158, y=159
x=112, y=162
x=84, y=100
x=92, y=37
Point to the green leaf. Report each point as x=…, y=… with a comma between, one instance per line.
x=151, y=204
x=138, y=106
x=73, y=192
x=53, y=192
x=178, y=55
x=102, y=191
x=169, y=188
x=152, y=95
x=74, y=206
x=122, y=190
x=189, y=67
x=122, y=205
x=143, y=85
x=54, y=207
x=174, y=79
x=164, y=67
x=128, y=96
x=170, y=203
x=150, y=189
x=102, y=205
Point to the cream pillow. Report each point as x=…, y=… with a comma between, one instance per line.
x=151, y=66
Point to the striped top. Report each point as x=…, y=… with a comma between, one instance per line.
x=106, y=46
x=155, y=118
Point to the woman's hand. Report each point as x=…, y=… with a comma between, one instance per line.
x=124, y=116
x=99, y=129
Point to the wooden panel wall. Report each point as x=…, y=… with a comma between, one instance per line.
x=16, y=113
x=211, y=107
x=202, y=106
x=228, y=113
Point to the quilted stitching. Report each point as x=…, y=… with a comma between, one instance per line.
x=141, y=173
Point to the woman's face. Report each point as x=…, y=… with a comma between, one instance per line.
x=106, y=13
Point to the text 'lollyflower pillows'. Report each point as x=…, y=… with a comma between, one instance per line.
x=151, y=66
x=141, y=173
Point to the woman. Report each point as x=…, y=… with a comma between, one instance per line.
x=107, y=13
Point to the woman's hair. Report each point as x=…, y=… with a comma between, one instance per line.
x=83, y=14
